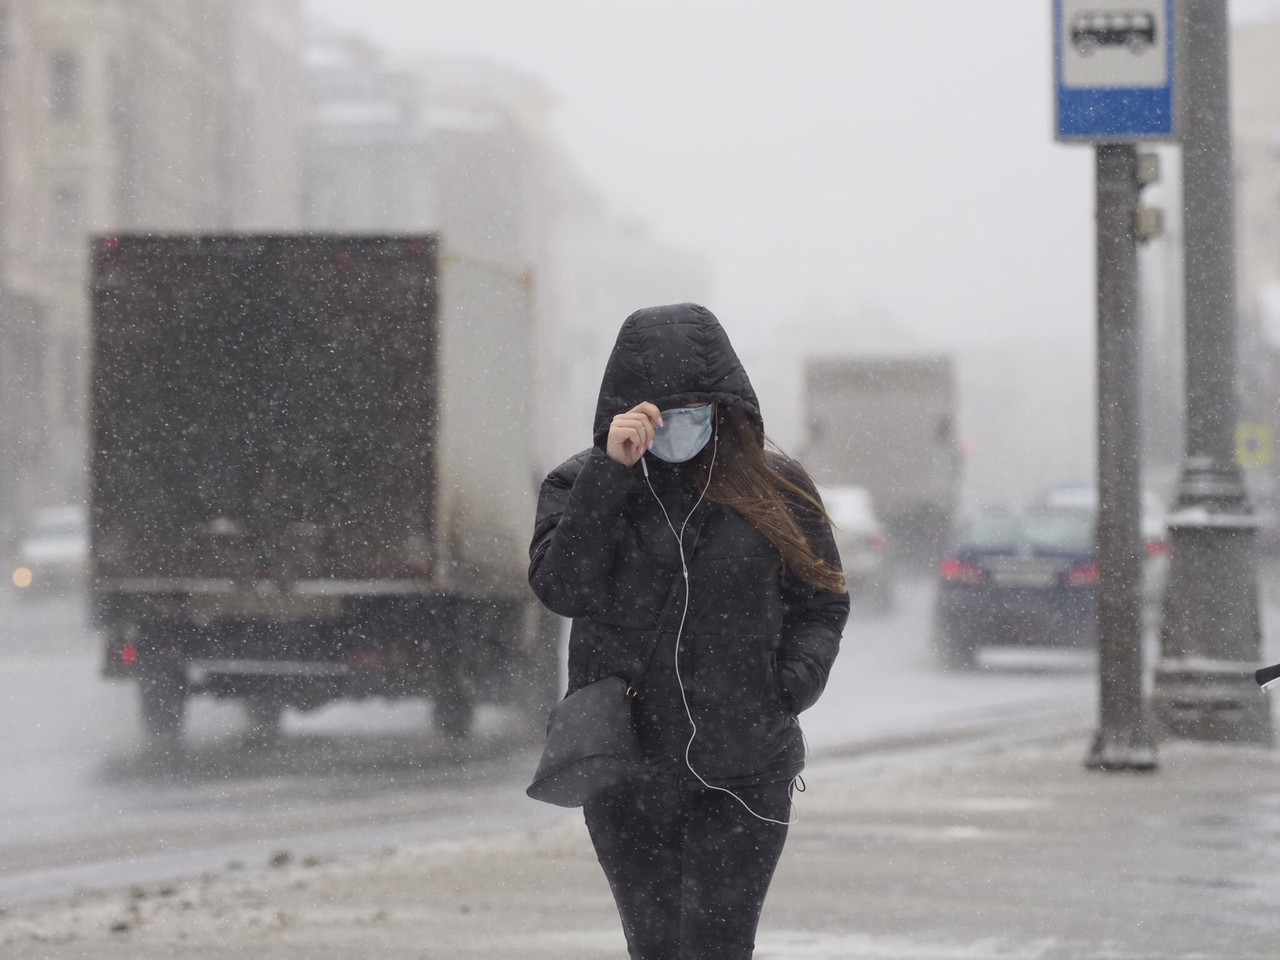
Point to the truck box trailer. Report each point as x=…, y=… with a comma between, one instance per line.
x=887, y=423
x=311, y=477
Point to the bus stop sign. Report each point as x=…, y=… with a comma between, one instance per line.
x=1113, y=63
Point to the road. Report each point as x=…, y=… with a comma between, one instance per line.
x=84, y=804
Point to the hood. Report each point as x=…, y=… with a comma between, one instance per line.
x=672, y=356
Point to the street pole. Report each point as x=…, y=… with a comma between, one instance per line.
x=1210, y=637
x=1123, y=741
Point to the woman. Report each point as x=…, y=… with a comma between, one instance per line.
x=697, y=563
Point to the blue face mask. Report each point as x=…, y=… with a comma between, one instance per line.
x=684, y=432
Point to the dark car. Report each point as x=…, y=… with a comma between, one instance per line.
x=1153, y=529
x=1017, y=579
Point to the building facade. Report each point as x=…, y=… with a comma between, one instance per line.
x=464, y=148
x=128, y=115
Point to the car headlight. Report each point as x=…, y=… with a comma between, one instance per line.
x=22, y=577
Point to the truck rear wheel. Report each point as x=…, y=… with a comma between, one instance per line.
x=453, y=709
x=264, y=718
x=162, y=696
x=954, y=653
x=881, y=596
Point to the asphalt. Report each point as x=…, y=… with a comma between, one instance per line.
x=1019, y=852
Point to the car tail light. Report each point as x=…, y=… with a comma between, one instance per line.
x=875, y=541
x=957, y=571
x=1157, y=548
x=1085, y=575
x=129, y=655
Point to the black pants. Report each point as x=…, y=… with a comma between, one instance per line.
x=688, y=866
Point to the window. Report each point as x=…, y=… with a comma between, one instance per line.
x=65, y=221
x=64, y=84
x=70, y=379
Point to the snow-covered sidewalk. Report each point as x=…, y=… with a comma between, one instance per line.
x=1016, y=854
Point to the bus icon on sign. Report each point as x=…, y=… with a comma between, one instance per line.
x=1134, y=29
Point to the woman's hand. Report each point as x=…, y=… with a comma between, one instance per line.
x=631, y=433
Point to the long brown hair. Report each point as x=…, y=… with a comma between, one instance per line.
x=744, y=479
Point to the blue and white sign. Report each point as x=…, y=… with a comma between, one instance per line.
x=1114, y=73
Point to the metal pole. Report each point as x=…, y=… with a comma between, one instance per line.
x=1123, y=741
x=1210, y=637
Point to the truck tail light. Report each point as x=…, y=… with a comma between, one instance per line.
x=1084, y=575
x=958, y=571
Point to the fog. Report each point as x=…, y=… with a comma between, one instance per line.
x=278, y=621
x=859, y=177
x=842, y=178
x=836, y=156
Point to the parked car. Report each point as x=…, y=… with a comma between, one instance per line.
x=861, y=540
x=1017, y=579
x=1153, y=527
x=52, y=554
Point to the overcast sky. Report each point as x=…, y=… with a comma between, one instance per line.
x=825, y=155
x=844, y=165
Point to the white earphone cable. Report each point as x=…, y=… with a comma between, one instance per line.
x=684, y=568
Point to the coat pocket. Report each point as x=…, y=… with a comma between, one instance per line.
x=722, y=669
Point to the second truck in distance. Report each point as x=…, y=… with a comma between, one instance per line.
x=887, y=424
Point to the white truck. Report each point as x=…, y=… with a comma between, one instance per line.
x=887, y=423
x=311, y=475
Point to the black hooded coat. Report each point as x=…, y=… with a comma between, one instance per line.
x=756, y=644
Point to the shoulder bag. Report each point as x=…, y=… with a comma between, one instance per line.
x=591, y=738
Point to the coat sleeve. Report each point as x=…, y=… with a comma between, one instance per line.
x=813, y=620
x=575, y=536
